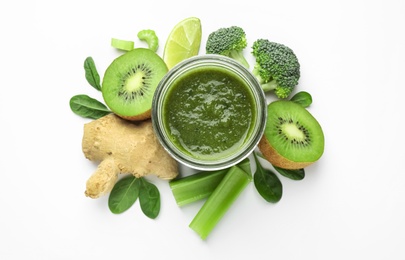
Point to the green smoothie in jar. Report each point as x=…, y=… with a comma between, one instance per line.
x=209, y=112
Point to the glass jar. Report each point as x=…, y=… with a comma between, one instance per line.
x=209, y=112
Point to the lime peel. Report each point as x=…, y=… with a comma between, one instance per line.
x=183, y=41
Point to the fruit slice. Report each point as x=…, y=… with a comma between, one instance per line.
x=130, y=82
x=183, y=41
x=293, y=138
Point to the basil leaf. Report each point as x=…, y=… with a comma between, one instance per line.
x=149, y=198
x=267, y=183
x=303, y=98
x=291, y=174
x=88, y=107
x=124, y=194
x=91, y=73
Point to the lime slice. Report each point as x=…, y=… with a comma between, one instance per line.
x=183, y=41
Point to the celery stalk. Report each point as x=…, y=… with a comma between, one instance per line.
x=200, y=185
x=195, y=187
x=220, y=201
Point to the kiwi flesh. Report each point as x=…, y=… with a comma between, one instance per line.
x=293, y=138
x=130, y=81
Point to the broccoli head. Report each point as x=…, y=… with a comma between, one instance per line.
x=230, y=41
x=277, y=67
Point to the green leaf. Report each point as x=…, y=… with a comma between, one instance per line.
x=91, y=73
x=149, y=198
x=291, y=174
x=303, y=98
x=267, y=183
x=88, y=107
x=124, y=194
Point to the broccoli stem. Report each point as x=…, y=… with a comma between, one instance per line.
x=238, y=55
x=199, y=185
x=266, y=86
x=271, y=85
x=221, y=199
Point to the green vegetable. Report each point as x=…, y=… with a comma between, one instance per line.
x=92, y=76
x=200, y=185
x=220, y=201
x=303, y=98
x=267, y=183
x=149, y=36
x=127, y=190
x=230, y=41
x=124, y=194
x=149, y=198
x=195, y=187
x=122, y=44
x=88, y=107
x=84, y=105
x=277, y=67
x=291, y=174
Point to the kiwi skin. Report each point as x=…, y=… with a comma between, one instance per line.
x=130, y=63
x=140, y=117
x=275, y=157
x=278, y=160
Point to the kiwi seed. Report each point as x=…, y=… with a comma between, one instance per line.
x=293, y=138
x=130, y=82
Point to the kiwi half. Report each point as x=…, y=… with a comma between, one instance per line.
x=130, y=82
x=293, y=138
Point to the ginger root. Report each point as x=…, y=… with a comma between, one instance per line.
x=123, y=147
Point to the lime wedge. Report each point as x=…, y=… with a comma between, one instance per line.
x=183, y=41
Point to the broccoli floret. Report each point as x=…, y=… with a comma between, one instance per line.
x=230, y=41
x=277, y=67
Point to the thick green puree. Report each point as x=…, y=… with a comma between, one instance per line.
x=209, y=112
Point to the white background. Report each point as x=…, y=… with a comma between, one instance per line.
x=351, y=204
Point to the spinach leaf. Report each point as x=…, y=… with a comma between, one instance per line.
x=88, y=107
x=92, y=76
x=267, y=183
x=291, y=174
x=149, y=198
x=124, y=194
x=303, y=98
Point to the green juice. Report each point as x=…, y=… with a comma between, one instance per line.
x=209, y=112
